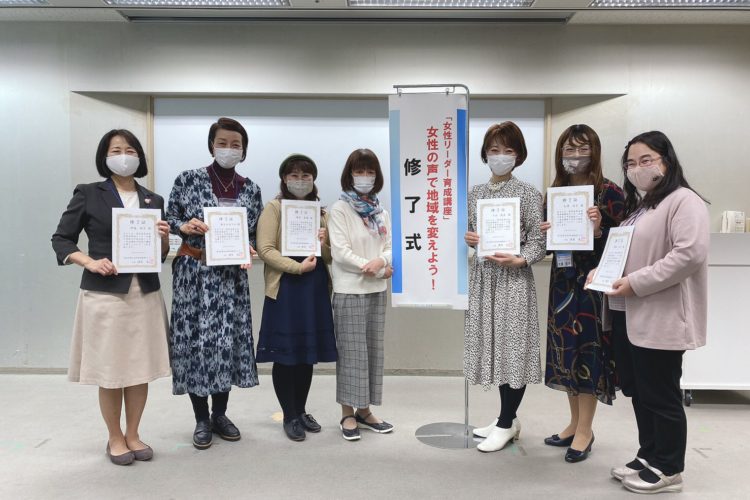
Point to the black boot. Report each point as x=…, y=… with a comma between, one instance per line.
x=203, y=437
x=225, y=428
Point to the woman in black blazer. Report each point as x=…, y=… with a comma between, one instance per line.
x=120, y=329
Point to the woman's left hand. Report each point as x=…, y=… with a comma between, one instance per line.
x=507, y=260
x=322, y=235
x=372, y=267
x=388, y=273
x=621, y=288
x=595, y=216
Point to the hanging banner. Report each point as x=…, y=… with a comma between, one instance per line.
x=428, y=139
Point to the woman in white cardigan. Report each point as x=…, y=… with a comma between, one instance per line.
x=659, y=307
x=360, y=236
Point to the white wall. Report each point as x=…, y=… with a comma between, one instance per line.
x=690, y=82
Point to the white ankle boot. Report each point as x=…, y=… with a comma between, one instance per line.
x=483, y=432
x=498, y=438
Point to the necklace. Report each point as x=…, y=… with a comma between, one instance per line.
x=225, y=186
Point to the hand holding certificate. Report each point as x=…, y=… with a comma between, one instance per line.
x=300, y=225
x=499, y=226
x=612, y=264
x=136, y=244
x=571, y=228
x=227, y=240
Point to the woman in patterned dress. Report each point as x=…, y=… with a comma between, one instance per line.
x=579, y=355
x=211, y=336
x=502, y=326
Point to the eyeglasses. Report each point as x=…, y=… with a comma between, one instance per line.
x=582, y=150
x=644, y=161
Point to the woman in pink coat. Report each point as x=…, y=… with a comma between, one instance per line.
x=662, y=299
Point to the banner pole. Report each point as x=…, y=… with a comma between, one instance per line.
x=446, y=434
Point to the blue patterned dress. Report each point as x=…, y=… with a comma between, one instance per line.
x=579, y=353
x=211, y=334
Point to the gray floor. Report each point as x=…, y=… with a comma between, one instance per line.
x=52, y=446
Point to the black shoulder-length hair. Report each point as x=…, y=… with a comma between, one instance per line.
x=673, y=179
x=132, y=140
x=362, y=158
x=306, y=166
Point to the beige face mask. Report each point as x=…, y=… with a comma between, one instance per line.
x=645, y=178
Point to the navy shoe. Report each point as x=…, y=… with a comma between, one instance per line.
x=309, y=423
x=349, y=434
x=380, y=427
x=294, y=430
x=202, y=436
x=573, y=456
x=224, y=427
x=554, y=440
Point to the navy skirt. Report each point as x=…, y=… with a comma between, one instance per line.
x=297, y=327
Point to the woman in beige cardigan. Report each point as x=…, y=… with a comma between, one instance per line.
x=297, y=326
x=662, y=299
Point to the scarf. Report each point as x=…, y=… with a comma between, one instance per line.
x=369, y=209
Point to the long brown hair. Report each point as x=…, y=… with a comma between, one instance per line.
x=578, y=135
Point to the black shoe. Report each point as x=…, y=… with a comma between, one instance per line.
x=349, y=434
x=225, y=428
x=294, y=429
x=554, y=440
x=202, y=436
x=309, y=423
x=380, y=428
x=572, y=456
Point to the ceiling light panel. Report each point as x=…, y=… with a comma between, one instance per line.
x=644, y=4
x=23, y=3
x=201, y=4
x=444, y=4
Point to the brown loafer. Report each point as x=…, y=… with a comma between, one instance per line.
x=143, y=455
x=124, y=459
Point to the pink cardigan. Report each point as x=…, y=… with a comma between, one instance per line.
x=668, y=270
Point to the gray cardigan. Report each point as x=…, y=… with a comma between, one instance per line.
x=668, y=270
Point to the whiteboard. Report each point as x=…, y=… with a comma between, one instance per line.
x=326, y=130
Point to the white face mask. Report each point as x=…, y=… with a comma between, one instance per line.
x=576, y=164
x=363, y=184
x=501, y=164
x=227, y=157
x=645, y=178
x=300, y=189
x=123, y=165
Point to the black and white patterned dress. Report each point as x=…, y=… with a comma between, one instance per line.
x=501, y=341
x=211, y=334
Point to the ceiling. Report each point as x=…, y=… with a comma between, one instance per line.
x=541, y=12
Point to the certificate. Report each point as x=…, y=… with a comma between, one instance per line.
x=227, y=239
x=571, y=228
x=136, y=245
x=499, y=226
x=613, y=260
x=300, y=222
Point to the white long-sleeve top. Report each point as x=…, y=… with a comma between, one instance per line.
x=352, y=246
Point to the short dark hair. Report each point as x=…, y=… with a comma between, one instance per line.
x=132, y=140
x=231, y=125
x=673, y=179
x=580, y=134
x=306, y=166
x=509, y=135
x=361, y=158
